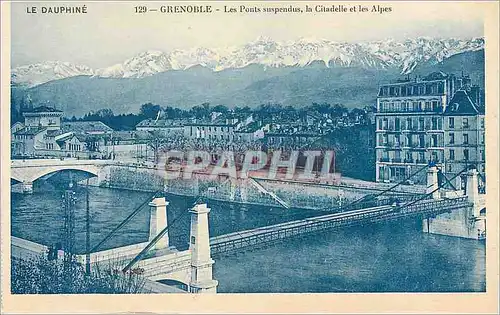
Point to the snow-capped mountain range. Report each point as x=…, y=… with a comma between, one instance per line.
x=404, y=56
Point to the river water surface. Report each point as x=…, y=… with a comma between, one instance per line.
x=394, y=257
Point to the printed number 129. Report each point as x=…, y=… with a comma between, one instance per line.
x=141, y=9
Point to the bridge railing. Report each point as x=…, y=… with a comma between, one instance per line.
x=276, y=232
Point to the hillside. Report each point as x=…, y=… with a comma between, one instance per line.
x=248, y=86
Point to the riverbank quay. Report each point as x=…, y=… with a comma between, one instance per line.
x=29, y=262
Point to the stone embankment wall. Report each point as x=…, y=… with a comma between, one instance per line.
x=297, y=195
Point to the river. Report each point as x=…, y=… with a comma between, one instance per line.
x=389, y=257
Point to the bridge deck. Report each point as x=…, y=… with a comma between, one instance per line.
x=267, y=234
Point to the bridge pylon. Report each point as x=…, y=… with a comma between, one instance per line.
x=27, y=187
x=199, y=245
x=432, y=182
x=158, y=221
x=472, y=192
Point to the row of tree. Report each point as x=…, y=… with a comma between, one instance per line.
x=205, y=110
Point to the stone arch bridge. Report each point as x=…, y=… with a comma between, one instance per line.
x=28, y=171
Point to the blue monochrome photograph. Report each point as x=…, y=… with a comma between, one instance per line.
x=247, y=148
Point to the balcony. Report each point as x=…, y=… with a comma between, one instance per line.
x=384, y=159
x=408, y=161
x=396, y=160
x=419, y=161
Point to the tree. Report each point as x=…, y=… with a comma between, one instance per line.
x=220, y=109
x=104, y=112
x=149, y=110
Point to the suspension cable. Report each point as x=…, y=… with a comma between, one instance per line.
x=391, y=188
x=430, y=193
x=125, y=221
x=152, y=243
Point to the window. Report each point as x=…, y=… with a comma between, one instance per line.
x=434, y=140
x=421, y=90
x=397, y=140
x=379, y=124
x=435, y=106
x=435, y=157
x=434, y=123
x=428, y=106
x=416, y=106
x=482, y=138
x=421, y=141
x=428, y=89
x=408, y=124
x=452, y=138
x=421, y=157
x=408, y=157
x=466, y=138
x=466, y=154
x=482, y=155
x=421, y=123
x=451, y=122
x=465, y=123
x=482, y=123
x=193, y=240
x=449, y=168
x=397, y=124
x=440, y=88
x=408, y=141
x=452, y=155
x=385, y=124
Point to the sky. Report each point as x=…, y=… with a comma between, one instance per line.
x=111, y=32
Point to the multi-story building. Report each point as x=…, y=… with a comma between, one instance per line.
x=464, y=133
x=43, y=135
x=412, y=123
x=43, y=116
x=163, y=126
x=211, y=131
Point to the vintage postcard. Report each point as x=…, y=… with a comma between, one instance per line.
x=249, y=157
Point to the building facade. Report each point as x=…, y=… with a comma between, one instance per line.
x=412, y=124
x=43, y=135
x=464, y=134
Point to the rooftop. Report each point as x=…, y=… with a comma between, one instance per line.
x=461, y=104
x=30, y=131
x=86, y=127
x=43, y=109
x=162, y=123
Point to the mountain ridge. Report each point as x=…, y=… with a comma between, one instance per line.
x=250, y=86
x=404, y=56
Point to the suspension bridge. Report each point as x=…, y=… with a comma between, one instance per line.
x=156, y=260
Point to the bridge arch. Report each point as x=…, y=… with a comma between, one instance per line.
x=30, y=174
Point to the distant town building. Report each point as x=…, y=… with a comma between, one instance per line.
x=163, y=126
x=251, y=132
x=87, y=127
x=221, y=127
x=43, y=116
x=415, y=122
x=44, y=135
